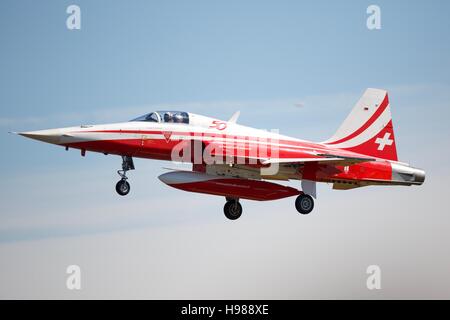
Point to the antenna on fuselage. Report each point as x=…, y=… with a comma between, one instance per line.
x=234, y=117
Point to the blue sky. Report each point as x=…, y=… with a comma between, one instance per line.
x=209, y=52
x=209, y=57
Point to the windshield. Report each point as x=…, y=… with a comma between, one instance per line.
x=151, y=117
x=165, y=117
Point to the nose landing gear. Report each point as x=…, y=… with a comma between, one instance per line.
x=122, y=186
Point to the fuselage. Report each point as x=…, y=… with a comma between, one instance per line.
x=248, y=147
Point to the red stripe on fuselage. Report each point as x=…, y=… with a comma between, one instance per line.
x=163, y=149
x=160, y=149
x=291, y=148
x=247, y=139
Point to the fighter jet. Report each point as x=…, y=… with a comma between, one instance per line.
x=239, y=162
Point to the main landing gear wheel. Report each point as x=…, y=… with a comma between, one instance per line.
x=123, y=187
x=232, y=209
x=304, y=204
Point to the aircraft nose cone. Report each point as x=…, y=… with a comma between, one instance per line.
x=49, y=136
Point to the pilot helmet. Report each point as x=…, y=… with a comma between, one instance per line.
x=168, y=117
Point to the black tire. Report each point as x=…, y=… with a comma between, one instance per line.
x=123, y=187
x=304, y=204
x=232, y=210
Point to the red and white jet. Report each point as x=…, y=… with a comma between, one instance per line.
x=235, y=161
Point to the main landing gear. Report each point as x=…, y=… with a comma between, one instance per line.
x=232, y=209
x=123, y=187
x=304, y=203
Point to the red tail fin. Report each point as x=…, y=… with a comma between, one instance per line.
x=368, y=128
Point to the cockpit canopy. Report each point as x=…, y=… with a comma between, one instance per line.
x=165, y=117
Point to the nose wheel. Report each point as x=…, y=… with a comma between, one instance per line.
x=232, y=209
x=122, y=186
x=304, y=204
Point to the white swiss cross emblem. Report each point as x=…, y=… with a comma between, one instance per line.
x=385, y=141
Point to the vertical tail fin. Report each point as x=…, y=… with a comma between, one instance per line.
x=368, y=128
